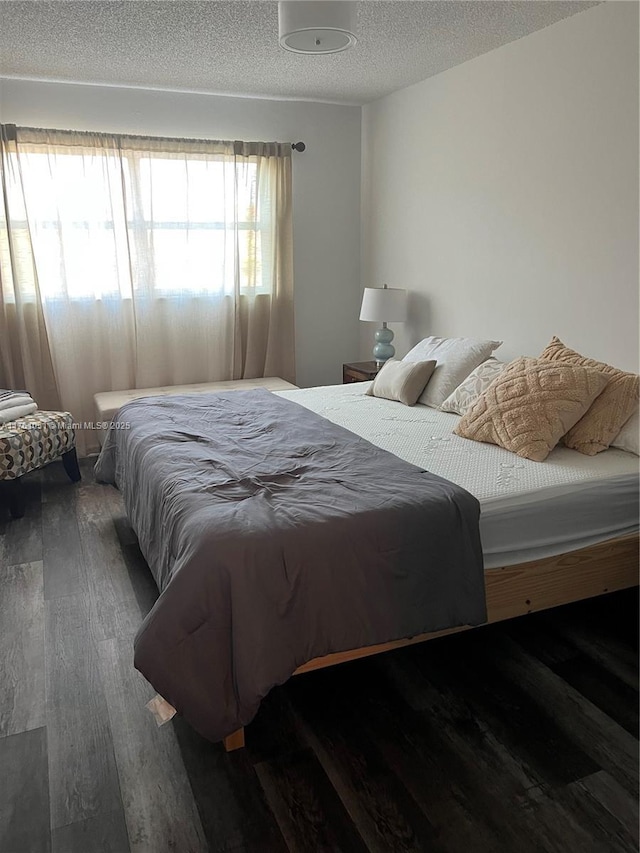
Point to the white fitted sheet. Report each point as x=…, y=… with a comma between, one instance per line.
x=529, y=510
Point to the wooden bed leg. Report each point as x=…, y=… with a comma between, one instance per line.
x=234, y=741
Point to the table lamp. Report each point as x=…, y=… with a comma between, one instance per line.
x=384, y=305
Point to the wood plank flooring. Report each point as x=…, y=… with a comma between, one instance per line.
x=514, y=738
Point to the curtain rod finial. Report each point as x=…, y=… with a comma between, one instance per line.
x=298, y=146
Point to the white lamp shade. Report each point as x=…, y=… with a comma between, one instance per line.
x=317, y=26
x=384, y=305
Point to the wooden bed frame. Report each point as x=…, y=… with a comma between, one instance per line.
x=518, y=590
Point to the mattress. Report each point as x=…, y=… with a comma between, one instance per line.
x=529, y=510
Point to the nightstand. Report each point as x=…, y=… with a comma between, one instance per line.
x=359, y=371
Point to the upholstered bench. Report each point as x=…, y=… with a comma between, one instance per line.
x=108, y=402
x=30, y=443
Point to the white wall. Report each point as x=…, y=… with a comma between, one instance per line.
x=504, y=193
x=326, y=186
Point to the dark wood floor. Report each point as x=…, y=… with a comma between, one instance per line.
x=515, y=738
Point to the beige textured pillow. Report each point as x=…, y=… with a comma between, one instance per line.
x=402, y=381
x=609, y=412
x=531, y=405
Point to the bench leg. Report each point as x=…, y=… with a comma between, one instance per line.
x=70, y=462
x=17, y=498
x=234, y=741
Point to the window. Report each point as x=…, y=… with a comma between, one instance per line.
x=108, y=222
x=135, y=262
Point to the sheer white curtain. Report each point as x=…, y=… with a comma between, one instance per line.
x=25, y=354
x=159, y=261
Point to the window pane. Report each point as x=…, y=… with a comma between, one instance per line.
x=189, y=224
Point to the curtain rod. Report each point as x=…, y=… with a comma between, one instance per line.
x=10, y=134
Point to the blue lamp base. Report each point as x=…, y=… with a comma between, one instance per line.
x=383, y=350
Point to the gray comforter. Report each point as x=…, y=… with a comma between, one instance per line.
x=275, y=537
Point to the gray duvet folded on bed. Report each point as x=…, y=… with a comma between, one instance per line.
x=276, y=536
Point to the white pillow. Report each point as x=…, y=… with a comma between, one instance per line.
x=476, y=383
x=628, y=438
x=455, y=358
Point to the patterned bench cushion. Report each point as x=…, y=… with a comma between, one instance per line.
x=34, y=441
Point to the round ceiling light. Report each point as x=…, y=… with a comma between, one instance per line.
x=317, y=26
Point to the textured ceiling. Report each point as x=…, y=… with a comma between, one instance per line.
x=232, y=47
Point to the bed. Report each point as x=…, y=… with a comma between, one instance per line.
x=551, y=532
x=530, y=510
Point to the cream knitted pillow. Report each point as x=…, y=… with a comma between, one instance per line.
x=531, y=405
x=609, y=412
